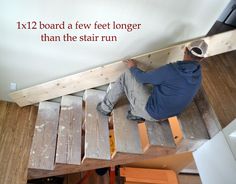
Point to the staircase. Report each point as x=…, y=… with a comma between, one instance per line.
x=72, y=136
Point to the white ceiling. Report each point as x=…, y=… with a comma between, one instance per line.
x=27, y=61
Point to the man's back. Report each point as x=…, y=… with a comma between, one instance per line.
x=174, y=86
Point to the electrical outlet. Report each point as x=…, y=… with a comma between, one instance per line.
x=13, y=86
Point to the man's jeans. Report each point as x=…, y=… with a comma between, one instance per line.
x=136, y=93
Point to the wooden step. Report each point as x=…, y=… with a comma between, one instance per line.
x=159, y=138
x=44, y=141
x=97, y=145
x=126, y=133
x=207, y=112
x=193, y=128
x=69, y=132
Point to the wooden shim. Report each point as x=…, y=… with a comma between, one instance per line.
x=44, y=141
x=149, y=175
x=97, y=145
x=220, y=43
x=126, y=133
x=69, y=132
x=160, y=138
x=176, y=129
x=208, y=114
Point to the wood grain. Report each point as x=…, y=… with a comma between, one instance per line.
x=97, y=145
x=160, y=138
x=192, y=124
x=69, y=132
x=16, y=132
x=126, y=133
x=208, y=114
x=220, y=43
x=43, y=148
x=219, y=83
x=193, y=129
x=149, y=175
x=160, y=134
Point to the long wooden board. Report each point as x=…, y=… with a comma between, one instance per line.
x=220, y=43
x=126, y=133
x=69, y=132
x=97, y=144
x=43, y=148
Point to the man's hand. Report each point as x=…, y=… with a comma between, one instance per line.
x=130, y=63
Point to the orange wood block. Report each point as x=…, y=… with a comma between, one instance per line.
x=149, y=175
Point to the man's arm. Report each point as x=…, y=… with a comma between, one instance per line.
x=156, y=76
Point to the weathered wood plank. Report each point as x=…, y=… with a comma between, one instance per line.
x=160, y=137
x=69, y=132
x=193, y=129
x=207, y=113
x=192, y=124
x=220, y=43
x=44, y=142
x=126, y=133
x=97, y=144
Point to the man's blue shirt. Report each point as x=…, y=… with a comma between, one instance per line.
x=174, y=86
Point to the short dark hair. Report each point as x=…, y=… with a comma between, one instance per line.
x=197, y=50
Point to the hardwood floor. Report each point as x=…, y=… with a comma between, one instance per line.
x=16, y=131
x=219, y=82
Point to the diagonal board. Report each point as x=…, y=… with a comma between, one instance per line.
x=220, y=43
x=69, y=132
x=97, y=145
x=43, y=148
x=126, y=133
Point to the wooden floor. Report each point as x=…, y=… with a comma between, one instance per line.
x=16, y=131
x=219, y=82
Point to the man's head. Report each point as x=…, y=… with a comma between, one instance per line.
x=195, y=50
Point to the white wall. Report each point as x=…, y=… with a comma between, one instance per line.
x=215, y=161
x=27, y=61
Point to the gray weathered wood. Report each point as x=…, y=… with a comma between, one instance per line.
x=160, y=134
x=208, y=114
x=192, y=124
x=193, y=129
x=69, y=132
x=126, y=133
x=44, y=141
x=97, y=145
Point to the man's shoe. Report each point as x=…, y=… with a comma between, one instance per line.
x=132, y=117
x=103, y=112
